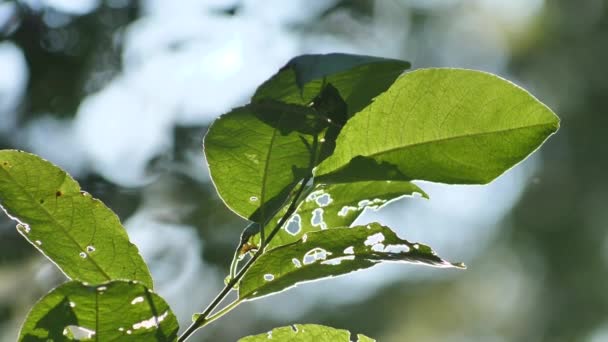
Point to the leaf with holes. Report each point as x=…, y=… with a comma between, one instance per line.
x=332, y=252
x=82, y=236
x=441, y=125
x=257, y=153
x=307, y=333
x=358, y=79
x=331, y=206
x=115, y=311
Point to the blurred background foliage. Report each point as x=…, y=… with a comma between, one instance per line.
x=120, y=92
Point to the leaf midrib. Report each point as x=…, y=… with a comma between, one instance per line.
x=63, y=229
x=441, y=140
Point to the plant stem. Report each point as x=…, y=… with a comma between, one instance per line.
x=206, y=317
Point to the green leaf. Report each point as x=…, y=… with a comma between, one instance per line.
x=306, y=333
x=115, y=311
x=357, y=78
x=257, y=153
x=82, y=236
x=331, y=206
x=441, y=125
x=331, y=252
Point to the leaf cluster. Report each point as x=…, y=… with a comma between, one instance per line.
x=324, y=139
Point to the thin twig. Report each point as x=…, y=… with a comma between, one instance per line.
x=205, y=317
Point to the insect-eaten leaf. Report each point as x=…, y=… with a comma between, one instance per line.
x=77, y=232
x=441, y=125
x=115, y=311
x=332, y=252
x=307, y=333
x=330, y=206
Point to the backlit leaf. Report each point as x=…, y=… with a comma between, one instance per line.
x=441, y=125
x=115, y=311
x=331, y=206
x=357, y=78
x=82, y=236
x=257, y=153
x=307, y=333
x=332, y=252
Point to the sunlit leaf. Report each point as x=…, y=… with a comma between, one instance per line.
x=357, y=78
x=82, y=236
x=257, y=153
x=307, y=333
x=329, y=253
x=115, y=311
x=441, y=125
x=331, y=206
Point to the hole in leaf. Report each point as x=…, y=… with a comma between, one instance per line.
x=349, y=250
x=296, y=262
x=83, y=255
x=136, y=300
x=150, y=323
x=253, y=198
x=379, y=247
x=90, y=249
x=268, y=277
x=374, y=239
x=315, y=254
x=324, y=200
x=313, y=195
x=338, y=260
x=317, y=219
x=396, y=249
x=77, y=333
x=345, y=209
x=294, y=225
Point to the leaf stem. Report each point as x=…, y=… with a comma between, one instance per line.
x=206, y=317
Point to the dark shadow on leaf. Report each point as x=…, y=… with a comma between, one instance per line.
x=363, y=168
x=55, y=321
x=289, y=118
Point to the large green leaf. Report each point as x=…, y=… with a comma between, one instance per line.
x=82, y=236
x=331, y=252
x=257, y=153
x=357, y=78
x=442, y=125
x=116, y=311
x=336, y=206
x=306, y=333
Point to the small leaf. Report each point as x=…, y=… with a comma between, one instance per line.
x=306, y=333
x=332, y=252
x=357, y=78
x=440, y=125
x=257, y=153
x=331, y=206
x=77, y=232
x=115, y=311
